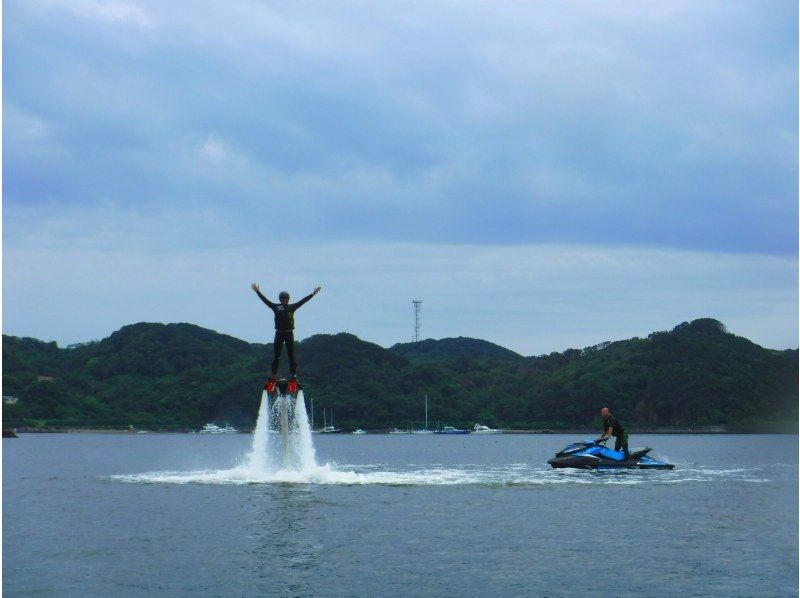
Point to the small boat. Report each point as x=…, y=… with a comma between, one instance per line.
x=426, y=430
x=214, y=429
x=481, y=429
x=398, y=431
x=451, y=430
x=359, y=431
x=328, y=429
x=210, y=429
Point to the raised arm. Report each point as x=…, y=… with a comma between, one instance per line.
x=306, y=298
x=269, y=303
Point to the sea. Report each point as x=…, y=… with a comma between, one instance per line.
x=395, y=515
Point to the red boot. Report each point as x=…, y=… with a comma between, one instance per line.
x=270, y=385
x=293, y=385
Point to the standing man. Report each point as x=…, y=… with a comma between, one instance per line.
x=612, y=427
x=284, y=326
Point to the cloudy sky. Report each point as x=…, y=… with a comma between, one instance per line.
x=542, y=174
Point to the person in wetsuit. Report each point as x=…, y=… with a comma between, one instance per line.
x=613, y=427
x=284, y=325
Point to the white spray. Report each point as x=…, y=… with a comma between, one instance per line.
x=305, y=445
x=282, y=436
x=258, y=459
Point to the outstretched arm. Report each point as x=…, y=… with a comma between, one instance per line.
x=306, y=298
x=256, y=288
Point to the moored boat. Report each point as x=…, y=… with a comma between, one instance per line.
x=330, y=430
x=450, y=430
x=425, y=430
x=215, y=429
x=481, y=429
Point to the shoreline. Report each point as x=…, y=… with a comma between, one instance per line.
x=787, y=428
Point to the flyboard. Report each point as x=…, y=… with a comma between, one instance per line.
x=282, y=397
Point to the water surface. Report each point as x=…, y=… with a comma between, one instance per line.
x=391, y=515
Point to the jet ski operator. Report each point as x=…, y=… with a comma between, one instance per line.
x=613, y=427
x=284, y=326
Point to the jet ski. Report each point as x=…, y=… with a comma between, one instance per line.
x=593, y=454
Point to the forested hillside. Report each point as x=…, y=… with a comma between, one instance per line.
x=180, y=376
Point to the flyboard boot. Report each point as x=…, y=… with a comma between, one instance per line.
x=282, y=387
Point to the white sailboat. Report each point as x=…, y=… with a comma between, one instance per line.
x=426, y=430
x=326, y=429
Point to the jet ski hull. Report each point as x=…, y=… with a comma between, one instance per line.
x=593, y=455
x=591, y=462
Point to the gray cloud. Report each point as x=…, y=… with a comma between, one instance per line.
x=145, y=137
x=672, y=124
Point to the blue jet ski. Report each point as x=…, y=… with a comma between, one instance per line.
x=592, y=454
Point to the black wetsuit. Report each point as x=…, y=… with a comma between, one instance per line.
x=618, y=432
x=284, y=330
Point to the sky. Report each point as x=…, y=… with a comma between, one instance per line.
x=542, y=175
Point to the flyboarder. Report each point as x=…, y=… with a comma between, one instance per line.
x=284, y=328
x=613, y=427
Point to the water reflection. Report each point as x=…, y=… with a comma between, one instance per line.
x=285, y=549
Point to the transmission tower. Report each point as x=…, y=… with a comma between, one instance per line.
x=417, y=307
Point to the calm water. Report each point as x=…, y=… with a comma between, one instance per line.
x=96, y=515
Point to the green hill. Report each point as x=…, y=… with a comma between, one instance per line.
x=453, y=348
x=180, y=376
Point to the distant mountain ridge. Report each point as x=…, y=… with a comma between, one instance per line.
x=180, y=376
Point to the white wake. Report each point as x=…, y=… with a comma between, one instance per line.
x=282, y=452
